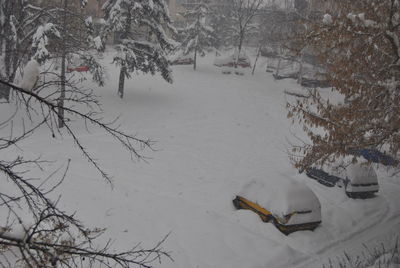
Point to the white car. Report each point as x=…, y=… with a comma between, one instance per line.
x=361, y=181
x=243, y=61
x=358, y=179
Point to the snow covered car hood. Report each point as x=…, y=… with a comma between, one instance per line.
x=294, y=203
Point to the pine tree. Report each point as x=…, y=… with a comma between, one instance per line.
x=67, y=35
x=220, y=21
x=358, y=42
x=18, y=20
x=142, y=26
x=198, y=35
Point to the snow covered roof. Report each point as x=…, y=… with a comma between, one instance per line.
x=361, y=173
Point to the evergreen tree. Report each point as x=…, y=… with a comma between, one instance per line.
x=358, y=42
x=142, y=26
x=66, y=37
x=220, y=21
x=198, y=35
x=18, y=20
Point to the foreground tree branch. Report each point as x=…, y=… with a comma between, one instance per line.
x=50, y=113
x=36, y=233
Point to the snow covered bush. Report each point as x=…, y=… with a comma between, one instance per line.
x=31, y=75
x=382, y=256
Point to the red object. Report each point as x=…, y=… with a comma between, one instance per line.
x=243, y=62
x=232, y=64
x=78, y=69
x=183, y=61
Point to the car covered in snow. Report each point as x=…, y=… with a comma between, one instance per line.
x=361, y=181
x=82, y=68
x=243, y=61
x=376, y=156
x=77, y=64
x=358, y=179
x=180, y=58
x=291, y=208
x=322, y=177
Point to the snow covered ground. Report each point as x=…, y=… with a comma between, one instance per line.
x=214, y=134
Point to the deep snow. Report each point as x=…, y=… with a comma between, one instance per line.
x=215, y=133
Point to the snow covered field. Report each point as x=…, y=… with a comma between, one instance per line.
x=214, y=133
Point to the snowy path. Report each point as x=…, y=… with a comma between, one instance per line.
x=214, y=133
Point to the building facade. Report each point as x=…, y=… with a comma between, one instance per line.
x=322, y=5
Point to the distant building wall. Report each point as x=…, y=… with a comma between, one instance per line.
x=322, y=5
x=93, y=8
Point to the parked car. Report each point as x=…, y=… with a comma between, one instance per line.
x=361, y=181
x=293, y=208
x=180, y=58
x=76, y=64
x=82, y=68
x=376, y=156
x=358, y=180
x=322, y=177
x=243, y=61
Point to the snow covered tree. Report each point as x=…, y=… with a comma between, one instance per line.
x=220, y=22
x=67, y=38
x=198, y=35
x=242, y=15
x=143, y=43
x=18, y=21
x=358, y=43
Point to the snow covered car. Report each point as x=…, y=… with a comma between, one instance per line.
x=82, y=68
x=283, y=68
x=243, y=61
x=77, y=64
x=359, y=180
x=322, y=177
x=179, y=58
x=183, y=60
x=292, y=208
x=376, y=156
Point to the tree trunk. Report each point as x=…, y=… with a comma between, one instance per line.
x=4, y=92
x=195, y=59
x=255, y=61
x=60, y=103
x=121, y=82
x=300, y=75
x=123, y=71
x=7, y=74
x=278, y=67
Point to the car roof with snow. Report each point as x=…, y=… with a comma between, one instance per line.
x=288, y=198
